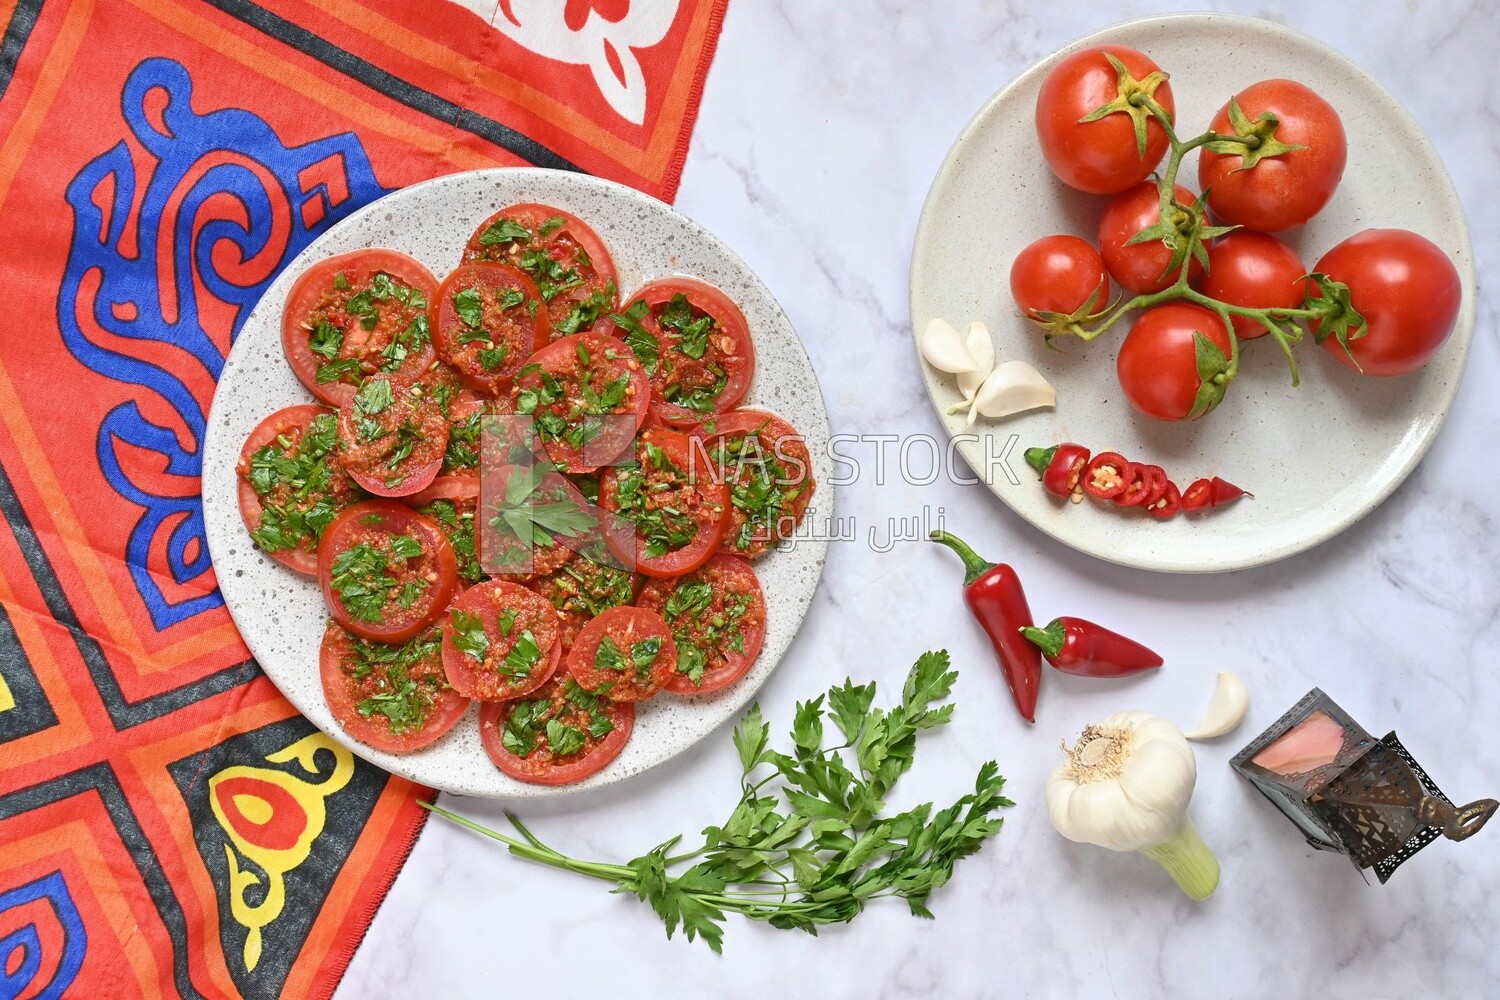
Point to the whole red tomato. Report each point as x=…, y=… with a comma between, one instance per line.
x=1140, y=268
x=1256, y=271
x=1158, y=361
x=1267, y=190
x=1101, y=156
x=1408, y=292
x=1058, y=274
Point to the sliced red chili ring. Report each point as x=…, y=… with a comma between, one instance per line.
x=1158, y=479
x=1168, y=505
x=1104, y=478
x=1137, y=485
x=1196, y=496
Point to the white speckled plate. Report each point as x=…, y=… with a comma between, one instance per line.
x=281, y=614
x=1318, y=457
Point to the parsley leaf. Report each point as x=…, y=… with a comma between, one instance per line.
x=503, y=231
x=470, y=307
x=563, y=740
x=469, y=636
x=551, y=226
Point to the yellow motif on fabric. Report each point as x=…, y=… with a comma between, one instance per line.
x=7, y=700
x=272, y=818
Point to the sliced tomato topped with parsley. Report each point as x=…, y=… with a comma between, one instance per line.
x=625, y=654
x=587, y=396
x=393, y=697
x=567, y=261
x=355, y=314
x=765, y=463
x=673, y=501
x=589, y=583
x=487, y=320
x=718, y=619
x=499, y=641
x=534, y=519
x=392, y=436
x=694, y=344
x=386, y=571
x=452, y=502
x=559, y=735
x=292, y=485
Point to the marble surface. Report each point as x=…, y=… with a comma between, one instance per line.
x=822, y=126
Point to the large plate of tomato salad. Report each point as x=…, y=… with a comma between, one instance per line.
x=1317, y=457
x=512, y=482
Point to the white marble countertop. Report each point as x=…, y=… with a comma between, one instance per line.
x=822, y=126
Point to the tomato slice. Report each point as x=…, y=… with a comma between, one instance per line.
x=1106, y=475
x=672, y=499
x=452, y=503
x=394, y=698
x=354, y=314
x=499, y=641
x=591, y=732
x=487, y=319
x=625, y=654
x=766, y=466
x=567, y=260
x=386, y=571
x=694, y=343
x=392, y=436
x=292, y=485
x=584, y=586
x=717, y=615
x=587, y=396
x=534, y=520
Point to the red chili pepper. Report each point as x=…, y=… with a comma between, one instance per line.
x=1159, y=484
x=1059, y=466
x=1169, y=504
x=995, y=598
x=1223, y=492
x=1104, y=477
x=1197, y=495
x=1137, y=486
x=1081, y=648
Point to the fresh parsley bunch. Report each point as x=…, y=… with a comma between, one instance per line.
x=820, y=850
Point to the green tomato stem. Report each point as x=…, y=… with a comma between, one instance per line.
x=1188, y=860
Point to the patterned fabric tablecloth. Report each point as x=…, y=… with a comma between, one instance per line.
x=169, y=825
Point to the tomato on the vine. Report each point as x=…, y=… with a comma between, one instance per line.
x=1140, y=268
x=1058, y=274
x=1102, y=156
x=1255, y=271
x=1406, y=290
x=1290, y=168
x=1160, y=367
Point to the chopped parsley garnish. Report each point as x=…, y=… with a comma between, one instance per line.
x=470, y=307
x=587, y=311
x=552, y=277
x=459, y=527
x=491, y=358
x=695, y=624
x=640, y=342
x=523, y=656
x=664, y=528
x=551, y=226
x=375, y=396
x=692, y=334
x=564, y=740
x=301, y=512
x=642, y=656
x=403, y=700
x=361, y=576
x=469, y=636
x=699, y=398
x=503, y=231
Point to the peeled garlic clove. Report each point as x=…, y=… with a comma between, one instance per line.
x=944, y=349
x=1226, y=709
x=982, y=349
x=1011, y=388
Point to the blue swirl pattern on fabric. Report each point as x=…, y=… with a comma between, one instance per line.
x=21, y=950
x=221, y=180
